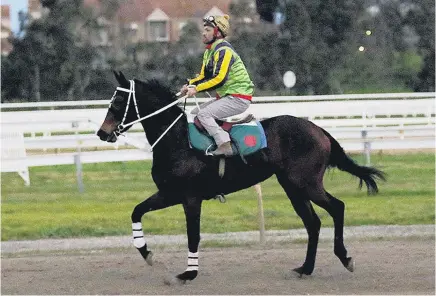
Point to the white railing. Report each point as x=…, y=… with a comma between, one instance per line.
x=359, y=122
x=13, y=154
x=352, y=140
x=364, y=113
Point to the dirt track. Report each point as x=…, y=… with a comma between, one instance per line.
x=397, y=266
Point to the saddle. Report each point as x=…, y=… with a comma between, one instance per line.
x=225, y=124
x=246, y=134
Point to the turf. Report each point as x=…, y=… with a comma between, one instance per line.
x=52, y=207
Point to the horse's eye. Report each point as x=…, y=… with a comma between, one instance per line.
x=117, y=103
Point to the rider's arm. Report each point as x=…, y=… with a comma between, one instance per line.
x=223, y=60
x=196, y=80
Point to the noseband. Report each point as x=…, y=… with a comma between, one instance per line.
x=132, y=94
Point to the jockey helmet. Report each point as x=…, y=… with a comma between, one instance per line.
x=221, y=22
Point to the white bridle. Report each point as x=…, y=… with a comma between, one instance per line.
x=131, y=92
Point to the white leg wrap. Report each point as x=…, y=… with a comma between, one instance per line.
x=138, y=235
x=192, y=261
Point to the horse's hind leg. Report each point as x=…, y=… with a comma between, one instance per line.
x=317, y=194
x=336, y=209
x=155, y=202
x=311, y=221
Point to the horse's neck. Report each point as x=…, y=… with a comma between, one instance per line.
x=175, y=139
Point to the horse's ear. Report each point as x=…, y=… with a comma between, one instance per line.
x=121, y=78
x=117, y=76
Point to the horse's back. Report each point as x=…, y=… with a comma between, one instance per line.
x=295, y=142
x=295, y=128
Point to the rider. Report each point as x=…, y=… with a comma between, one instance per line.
x=222, y=70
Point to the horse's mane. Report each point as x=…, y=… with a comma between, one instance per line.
x=160, y=92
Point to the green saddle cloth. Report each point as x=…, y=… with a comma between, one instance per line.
x=247, y=137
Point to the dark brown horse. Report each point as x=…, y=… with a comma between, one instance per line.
x=298, y=153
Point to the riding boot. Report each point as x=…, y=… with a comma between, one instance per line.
x=224, y=149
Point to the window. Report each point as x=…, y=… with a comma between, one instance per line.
x=158, y=31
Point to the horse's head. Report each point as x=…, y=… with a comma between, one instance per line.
x=125, y=109
x=121, y=110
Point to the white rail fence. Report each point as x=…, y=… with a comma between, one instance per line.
x=13, y=154
x=359, y=122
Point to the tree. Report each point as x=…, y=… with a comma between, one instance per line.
x=421, y=17
x=314, y=39
x=185, y=55
x=21, y=69
x=49, y=55
x=266, y=9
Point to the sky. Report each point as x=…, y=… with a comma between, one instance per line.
x=16, y=6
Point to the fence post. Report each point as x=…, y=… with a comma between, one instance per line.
x=366, y=147
x=79, y=172
x=78, y=162
x=258, y=189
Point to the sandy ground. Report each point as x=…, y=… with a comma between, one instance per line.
x=391, y=266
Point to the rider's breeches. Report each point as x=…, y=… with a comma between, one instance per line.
x=218, y=109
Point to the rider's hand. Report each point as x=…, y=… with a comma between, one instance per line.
x=191, y=91
x=184, y=89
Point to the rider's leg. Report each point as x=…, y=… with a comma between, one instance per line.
x=202, y=106
x=219, y=109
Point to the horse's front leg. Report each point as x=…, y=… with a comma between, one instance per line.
x=192, y=208
x=155, y=202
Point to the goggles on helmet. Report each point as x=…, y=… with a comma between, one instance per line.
x=210, y=20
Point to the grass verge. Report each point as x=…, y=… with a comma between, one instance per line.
x=52, y=207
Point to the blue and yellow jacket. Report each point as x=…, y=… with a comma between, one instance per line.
x=223, y=71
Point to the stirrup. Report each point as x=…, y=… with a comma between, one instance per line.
x=221, y=198
x=208, y=152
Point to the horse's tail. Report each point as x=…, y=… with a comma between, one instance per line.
x=339, y=159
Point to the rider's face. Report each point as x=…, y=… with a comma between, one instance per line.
x=207, y=34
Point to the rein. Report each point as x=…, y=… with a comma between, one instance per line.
x=132, y=94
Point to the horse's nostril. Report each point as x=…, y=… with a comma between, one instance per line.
x=102, y=135
x=112, y=138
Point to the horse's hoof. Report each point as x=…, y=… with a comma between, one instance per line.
x=146, y=254
x=173, y=280
x=149, y=258
x=187, y=275
x=351, y=264
x=300, y=271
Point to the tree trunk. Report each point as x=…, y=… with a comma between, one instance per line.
x=37, y=83
x=85, y=80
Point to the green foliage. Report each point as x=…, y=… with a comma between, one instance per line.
x=58, y=56
x=48, y=56
x=421, y=17
x=52, y=207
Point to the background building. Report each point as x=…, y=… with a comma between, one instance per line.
x=6, y=31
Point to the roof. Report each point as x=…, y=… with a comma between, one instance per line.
x=34, y=5
x=92, y=3
x=139, y=10
x=6, y=11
